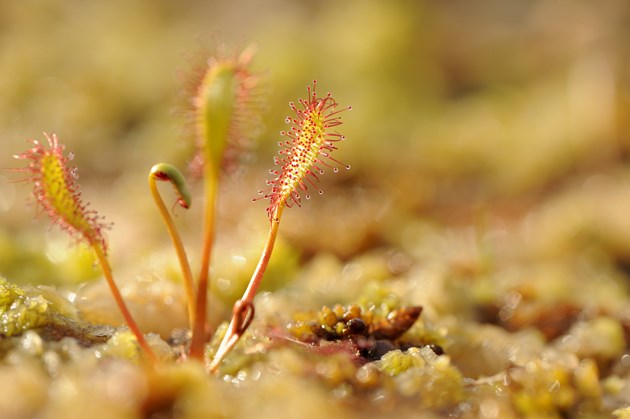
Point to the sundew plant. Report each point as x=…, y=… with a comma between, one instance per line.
x=225, y=104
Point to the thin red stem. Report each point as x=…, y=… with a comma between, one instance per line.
x=199, y=333
x=179, y=248
x=107, y=271
x=254, y=282
x=238, y=325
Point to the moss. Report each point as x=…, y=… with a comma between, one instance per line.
x=8, y=294
x=623, y=413
x=123, y=344
x=586, y=379
x=339, y=322
x=419, y=372
x=556, y=387
x=22, y=311
x=46, y=311
x=396, y=362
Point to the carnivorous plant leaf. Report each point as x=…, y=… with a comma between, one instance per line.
x=56, y=190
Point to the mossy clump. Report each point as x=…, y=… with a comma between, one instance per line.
x=45, y=311
x=420, y=372
x=337, y=322
x=556, y=387
x=19, y=312
x=123, y=345
x=373, y=331
x=24, y=309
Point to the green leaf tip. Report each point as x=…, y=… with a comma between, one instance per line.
x=217, y=98
x=169, y=173
x=226, y=107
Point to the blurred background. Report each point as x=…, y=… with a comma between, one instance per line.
x=461, y=112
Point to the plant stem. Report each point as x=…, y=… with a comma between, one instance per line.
x=254, y=282
x=179, y=248
x=199, y=328
x=238, y=324
x=107, y=271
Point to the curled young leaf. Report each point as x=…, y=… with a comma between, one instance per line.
x=169, y=173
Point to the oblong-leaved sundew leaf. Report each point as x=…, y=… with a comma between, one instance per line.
x=311, y=139
x=57, y=192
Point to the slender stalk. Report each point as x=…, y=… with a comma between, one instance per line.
x=107, y=271
x=254, y=282
x=243, y=308
x=177, y=243
x=199, y=335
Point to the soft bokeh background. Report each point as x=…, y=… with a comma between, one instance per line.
x=461, y=112
x=489, y=144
